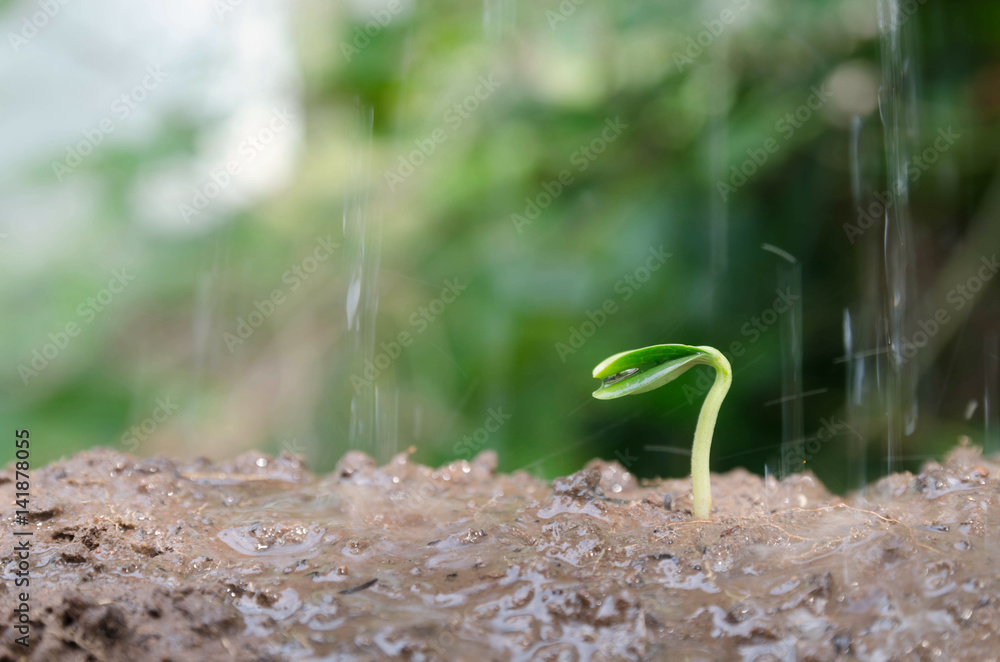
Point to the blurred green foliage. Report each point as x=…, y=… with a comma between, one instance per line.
x=561, y=72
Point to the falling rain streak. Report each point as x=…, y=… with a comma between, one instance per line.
x=792, y=423
x=899, y=119
x=362, y=244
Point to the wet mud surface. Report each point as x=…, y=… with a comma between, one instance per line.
x=257, y=559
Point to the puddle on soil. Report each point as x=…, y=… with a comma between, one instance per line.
x=257, y=559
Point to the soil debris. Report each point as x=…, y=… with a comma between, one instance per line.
x=257, y=559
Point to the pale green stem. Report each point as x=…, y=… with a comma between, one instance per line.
x=701, y=487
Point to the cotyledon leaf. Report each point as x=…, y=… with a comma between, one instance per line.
x=645, y=369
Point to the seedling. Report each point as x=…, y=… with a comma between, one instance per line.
x=645, y=369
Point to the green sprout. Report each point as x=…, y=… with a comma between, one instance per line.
x=645, y=369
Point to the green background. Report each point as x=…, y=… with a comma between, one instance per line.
x=561, y=72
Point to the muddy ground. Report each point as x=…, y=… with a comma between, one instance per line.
x=257, y=559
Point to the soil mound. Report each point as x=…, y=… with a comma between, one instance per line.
x=257, y=559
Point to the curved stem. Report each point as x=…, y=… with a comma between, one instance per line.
x=701, y=487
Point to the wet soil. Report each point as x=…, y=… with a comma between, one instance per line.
x=257, y=559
